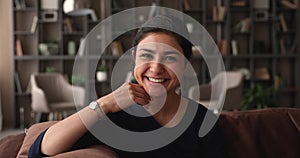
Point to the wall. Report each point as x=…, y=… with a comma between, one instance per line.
x=6, y=63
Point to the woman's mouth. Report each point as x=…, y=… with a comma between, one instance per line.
x=156, y=80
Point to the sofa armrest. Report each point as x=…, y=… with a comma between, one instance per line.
x=32, y=133
x=90, y=152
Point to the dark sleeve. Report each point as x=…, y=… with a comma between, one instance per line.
x=35, y=149
x=86, y=140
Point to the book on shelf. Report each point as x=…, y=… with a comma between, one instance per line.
x=242, y=26
x=282, y=46
x=34, y=24
x=20, y=4
x=294, y=45
x=223, y=47
x=261, y=4
x=239, y=3
x=23, y=4
x=234, y=47
x=68, y=24
x=262, y=73
x=283, y=23
x=186, y=5
x=289, y=5
x=19, y=49
x=116, y=48
x=218, y=13
x=17, y=83
x=280, y=82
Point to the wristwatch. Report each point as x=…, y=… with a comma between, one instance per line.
x=96, y=107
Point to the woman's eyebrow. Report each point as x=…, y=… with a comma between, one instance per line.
x=147, y=50
x=171, y=52
x=165, y=52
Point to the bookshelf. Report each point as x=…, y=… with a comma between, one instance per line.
x=251, y=36
x=47, y=40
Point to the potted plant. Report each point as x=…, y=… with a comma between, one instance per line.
x=77, y=80
x=258, y=97
x=50, y=69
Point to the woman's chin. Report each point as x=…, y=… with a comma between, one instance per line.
x=157, y=91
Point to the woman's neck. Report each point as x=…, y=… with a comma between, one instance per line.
x=164, y=109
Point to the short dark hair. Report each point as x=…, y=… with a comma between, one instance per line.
x=167, y=25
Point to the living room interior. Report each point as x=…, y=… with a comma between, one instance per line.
x=258, y=40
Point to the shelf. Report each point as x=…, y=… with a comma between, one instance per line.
x=193, y=10
x=26, y=57
x=75, y=33
x=27, y=9
x=240, y=9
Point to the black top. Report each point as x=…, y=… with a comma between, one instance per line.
x=187, y=145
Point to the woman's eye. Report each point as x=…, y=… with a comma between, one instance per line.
x=170, y=59
x=146, y=56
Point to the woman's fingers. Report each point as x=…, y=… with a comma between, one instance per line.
x=129, y=94
x=138, y=92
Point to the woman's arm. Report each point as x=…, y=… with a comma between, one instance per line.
x=63, y=135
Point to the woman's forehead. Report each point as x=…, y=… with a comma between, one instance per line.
x=160, y=42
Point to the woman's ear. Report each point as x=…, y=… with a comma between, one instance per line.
x=133, y=53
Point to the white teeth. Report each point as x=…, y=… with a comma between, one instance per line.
x=156, y=80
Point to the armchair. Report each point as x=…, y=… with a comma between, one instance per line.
x=51, y=93
x=234, y=90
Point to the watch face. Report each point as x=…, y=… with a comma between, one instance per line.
x=93, y=105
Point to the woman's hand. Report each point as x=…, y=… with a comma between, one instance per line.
x=126, y=95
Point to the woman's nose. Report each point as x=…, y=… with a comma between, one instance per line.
x=156, y=68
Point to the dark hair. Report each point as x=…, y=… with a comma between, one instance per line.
x=168, y=25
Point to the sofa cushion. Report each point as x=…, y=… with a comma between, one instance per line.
x=271, y=132
x=10, y=145
x=32, y=133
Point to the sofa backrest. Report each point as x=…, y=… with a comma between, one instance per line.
x=267, y=133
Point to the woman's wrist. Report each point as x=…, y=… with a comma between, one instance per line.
x=103, y=105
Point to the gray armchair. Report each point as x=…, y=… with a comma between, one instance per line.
x=234, y=91
x=52, y=94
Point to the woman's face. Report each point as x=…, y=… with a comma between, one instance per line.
x=159, y=63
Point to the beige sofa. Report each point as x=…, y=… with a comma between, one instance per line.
x=266, y=133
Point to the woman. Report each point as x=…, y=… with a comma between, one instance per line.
x=160, y=62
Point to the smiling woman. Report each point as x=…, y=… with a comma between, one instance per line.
x=161, y=59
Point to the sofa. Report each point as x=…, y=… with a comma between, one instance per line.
x=263, y=133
